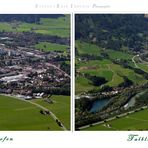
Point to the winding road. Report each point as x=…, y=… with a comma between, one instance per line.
x=133, y=60
x=138, y=55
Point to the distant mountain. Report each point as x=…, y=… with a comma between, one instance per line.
x=113, y=31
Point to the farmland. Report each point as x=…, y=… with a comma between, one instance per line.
x=19, y=115
x=60, y=107
x=105, y=68
x=84, y=48
x=45, y=46
x=135, y=121
x=83, y=84
x=47, y=26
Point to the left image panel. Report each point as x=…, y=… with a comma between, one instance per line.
x=34, y=72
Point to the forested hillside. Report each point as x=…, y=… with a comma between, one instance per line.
x=113, y=31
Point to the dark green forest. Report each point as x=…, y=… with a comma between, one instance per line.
x=113, y=31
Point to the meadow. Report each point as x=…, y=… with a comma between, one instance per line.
x=113, y=54
x=134, y=121
x=87, y=48
x=45, y=46
x=16, y=114
x=60, y=107
x=47, y=26
x=112, y=72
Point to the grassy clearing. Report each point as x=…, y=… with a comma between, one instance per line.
x=60, y=107
x=87, y=48
x=136, y=78
x=6, y=27
x=45, y=46
x=19, y=115
x=82, y=85
x=135, y=121
x=60, y=22
x=94, y=63
x=119, y=55
x=103, y=73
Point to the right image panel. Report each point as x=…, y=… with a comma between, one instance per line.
x=111, y=76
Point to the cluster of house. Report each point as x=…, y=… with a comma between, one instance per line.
x=27, y=72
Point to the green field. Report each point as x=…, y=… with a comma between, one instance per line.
x=19, y=115
x=106, y=68
x=143, y=66
x=60, y=107
x=119, y=55
x=135, y=121
x=87, y=48
x=94, y=63
x=49, y=26
x=113, y=73
x=82, y=85
x=45, y=46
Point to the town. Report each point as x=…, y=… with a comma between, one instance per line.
x=30, y=73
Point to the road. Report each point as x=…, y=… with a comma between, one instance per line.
x=138, y=55
x=133, y=60
x=51, y=113
x=41, y=107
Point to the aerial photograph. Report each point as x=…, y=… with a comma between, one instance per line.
x=34, y=72
x=111, y=75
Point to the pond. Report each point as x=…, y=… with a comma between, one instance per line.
x=98, y=105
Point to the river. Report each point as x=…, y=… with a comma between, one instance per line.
x=132, y=101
